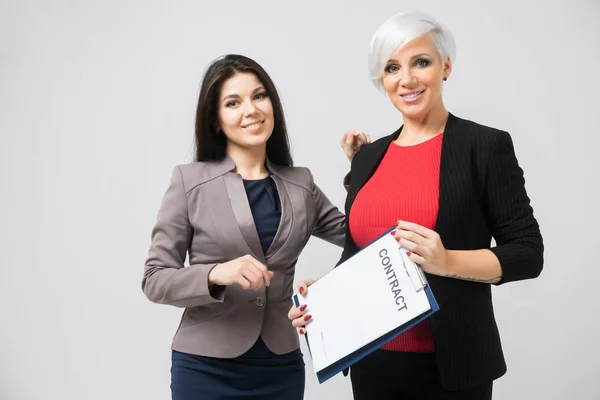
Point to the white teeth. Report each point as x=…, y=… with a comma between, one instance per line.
x=256, y=125
x=411, y=96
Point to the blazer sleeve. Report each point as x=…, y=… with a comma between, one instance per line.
x=330, y=221
x=165, y=280
x=516, y=232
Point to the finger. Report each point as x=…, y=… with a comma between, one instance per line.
x=265, y=274
x=368, y=138
x=403, y=235
x=243, y=282
x=253, y=276
x=347, y=144
x=303, y=286
x=410, y=226
x=302, y=321
x=415, y=258
x=297, y=312
x=344, y=139
x=411, y=247
x=262, y=270
x=422, y=247
x=348, y=138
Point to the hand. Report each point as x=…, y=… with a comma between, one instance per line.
x=298, y=315
x=425, y=247
x=353, y=141
x=245, y=271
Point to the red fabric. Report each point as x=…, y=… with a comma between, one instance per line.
x=405, y=186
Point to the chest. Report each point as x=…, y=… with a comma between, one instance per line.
x=224, y=228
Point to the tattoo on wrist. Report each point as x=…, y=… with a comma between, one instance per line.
x=471, y=279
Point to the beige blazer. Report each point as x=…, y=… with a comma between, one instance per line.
x=205, y=214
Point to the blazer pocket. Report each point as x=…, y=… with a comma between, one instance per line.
x=196, y=315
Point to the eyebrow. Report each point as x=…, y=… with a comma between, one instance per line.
x=236, y=96
x=392, y=60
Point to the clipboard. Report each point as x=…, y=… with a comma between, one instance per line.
x=336, y=344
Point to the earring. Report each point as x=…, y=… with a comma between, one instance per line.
x=445, y=79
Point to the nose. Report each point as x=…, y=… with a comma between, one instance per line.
x=408, y=79
x=249, y=108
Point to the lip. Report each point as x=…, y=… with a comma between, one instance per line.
x=412, y=99
x=257, y=123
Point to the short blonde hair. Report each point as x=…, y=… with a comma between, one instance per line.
x=400, y=29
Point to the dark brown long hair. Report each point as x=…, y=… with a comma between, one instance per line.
x=211, y=146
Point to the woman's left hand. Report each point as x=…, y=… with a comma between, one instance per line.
x=424, y=247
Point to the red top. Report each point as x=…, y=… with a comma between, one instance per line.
x=405, y=186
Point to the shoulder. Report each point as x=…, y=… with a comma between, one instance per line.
x=476, y=133
x=198, y=173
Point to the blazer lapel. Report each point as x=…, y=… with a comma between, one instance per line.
x=243, y=214
x=449, y=158
x=285, y=223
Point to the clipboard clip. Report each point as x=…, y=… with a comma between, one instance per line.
x=413, y=270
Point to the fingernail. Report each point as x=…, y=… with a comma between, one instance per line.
x=302, y=331
x=397, y=239
x=301, y=289
x=303, y=307
x=394, y=232
x=307, y=318
x=408, y=253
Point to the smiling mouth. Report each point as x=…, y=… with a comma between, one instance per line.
x=253, y=125
x=411, y=96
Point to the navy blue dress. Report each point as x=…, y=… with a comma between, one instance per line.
x=258, y=373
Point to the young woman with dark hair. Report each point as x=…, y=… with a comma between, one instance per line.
x=242, y=214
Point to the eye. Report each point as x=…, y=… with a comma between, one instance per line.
x=231, y=103
x=422, y=63
x=260, y=96
x=392, y=69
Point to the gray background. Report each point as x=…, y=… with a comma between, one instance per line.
x=97, y=104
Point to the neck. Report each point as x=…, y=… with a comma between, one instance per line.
x=417, y=130
x=249, y=163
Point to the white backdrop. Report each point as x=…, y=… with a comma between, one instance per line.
x=97, y=104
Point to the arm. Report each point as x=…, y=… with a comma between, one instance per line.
x=426, y=248
x=166, y=281
x=519, y=251
x=519, y=242
x=330, y=221
x=474, y=265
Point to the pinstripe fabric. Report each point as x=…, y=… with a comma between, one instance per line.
x=482, y=195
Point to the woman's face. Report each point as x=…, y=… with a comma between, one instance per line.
x=413, y=78
x=245, y=111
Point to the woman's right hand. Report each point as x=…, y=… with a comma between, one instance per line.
x=246, y=271
x=353, y=141
x=299, y=315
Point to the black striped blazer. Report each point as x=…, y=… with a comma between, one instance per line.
x=482, y=195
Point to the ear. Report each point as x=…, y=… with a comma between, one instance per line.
x=447, y=68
